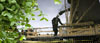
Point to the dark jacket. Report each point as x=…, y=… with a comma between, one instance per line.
x=55, y=21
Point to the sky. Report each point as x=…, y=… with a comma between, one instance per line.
x=51, y=10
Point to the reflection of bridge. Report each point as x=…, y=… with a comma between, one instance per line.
x=87, y=32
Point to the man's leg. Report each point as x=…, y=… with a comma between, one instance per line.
x=56, y=32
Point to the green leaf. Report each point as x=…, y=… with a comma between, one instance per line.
x=10, y=38
x=11, y=1
x=22, y=37
x=12, y=19
x=33, y=18
x=6, y=13
x=23, y=17
x=13, y=7
x=33, y=4
x=37, y=9
x=29, y=0
x=46, y=19
x=15, y=12
x=0, y=40
x=25, y=28
x=3, y=34
x=27, y=20
x=57, y=1
x=1, y=7
x=17, y=5
x=32, y=14
x=12, y=23
x=42, y=18
x=27, y=25
x=9, y=9
x=36, y=3
x=2, y=0
x=41, y=13
x=9, y=15
x=27, y=10
x=22, y=23
x=5, y=41
x=28, y=4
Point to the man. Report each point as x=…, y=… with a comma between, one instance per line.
x=55, y=21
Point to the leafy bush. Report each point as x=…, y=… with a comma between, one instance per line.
x=14, y=11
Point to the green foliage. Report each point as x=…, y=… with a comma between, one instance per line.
x=43, y=18
x=32, y=14
x=57, y=1
x=12, y=12
x=33, y=19
x=8, y=37
x=27, y=25
x=12, y=1
x=28, y=4
x=41, y=13
x=2, y=0
x=22, y=23
x=1, y=7
x=22, y=37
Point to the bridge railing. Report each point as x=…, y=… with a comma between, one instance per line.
x=46, y=32
x=79, y=30
x=66, y=31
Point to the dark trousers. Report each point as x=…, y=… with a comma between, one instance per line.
x=55, y=31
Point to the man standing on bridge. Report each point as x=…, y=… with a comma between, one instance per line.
x=55, y=21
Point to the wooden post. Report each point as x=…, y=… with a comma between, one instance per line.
x=71, y=12
x=66, y=12
x=60, y=31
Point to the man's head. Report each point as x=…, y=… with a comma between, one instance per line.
x=57, y=16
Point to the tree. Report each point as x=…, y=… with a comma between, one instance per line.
x=11, y=13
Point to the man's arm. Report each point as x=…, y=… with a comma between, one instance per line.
x=61, y=12
x=60, y=21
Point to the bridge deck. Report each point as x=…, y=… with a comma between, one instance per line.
x=85, y=37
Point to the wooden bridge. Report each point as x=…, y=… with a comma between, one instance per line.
x=76, y=32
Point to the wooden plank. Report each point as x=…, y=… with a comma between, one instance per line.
x=41, y=35
x=78, y=24
x=48, y=31
x=97, y=28
x=37, y=36
x=75, y=32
